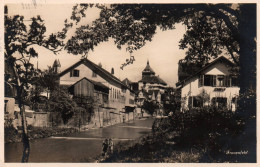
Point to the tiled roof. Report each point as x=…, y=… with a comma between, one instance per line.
x=98, y=70
x=153, y=79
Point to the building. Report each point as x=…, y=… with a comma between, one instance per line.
x=150, y=81
x=85, y=79
x=213, y=84
x=150, y=87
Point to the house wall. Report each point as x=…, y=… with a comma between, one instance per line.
x=9, y=103
x=150, y=86
x=116, y=98
x=191, y=88
x=84, y=72
x=41, y=119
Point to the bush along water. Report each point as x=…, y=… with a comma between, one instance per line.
x=213, y=130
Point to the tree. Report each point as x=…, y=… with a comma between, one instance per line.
x=210, y=29
x=150, y=107
x=19, y=49
x=61, y=102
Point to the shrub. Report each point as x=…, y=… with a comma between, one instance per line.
x=209, y=128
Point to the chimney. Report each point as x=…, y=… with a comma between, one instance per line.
x=112, y=71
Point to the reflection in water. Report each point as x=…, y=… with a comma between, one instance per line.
x=85, y=148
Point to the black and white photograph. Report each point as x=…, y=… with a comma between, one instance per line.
x=123, y=82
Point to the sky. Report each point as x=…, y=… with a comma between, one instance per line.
x=162, y=52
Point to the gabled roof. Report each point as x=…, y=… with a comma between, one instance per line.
x=220, y=59
x=153, y=79
x=127, y=82
x=98, y=70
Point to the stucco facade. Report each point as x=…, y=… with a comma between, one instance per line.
x=228, y=92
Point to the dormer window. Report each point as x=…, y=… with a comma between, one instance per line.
x=74, y=73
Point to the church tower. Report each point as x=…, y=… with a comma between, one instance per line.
x=148, y=71
x=56, y=66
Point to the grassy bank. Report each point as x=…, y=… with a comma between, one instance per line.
x=12, y=135
x=150, y=149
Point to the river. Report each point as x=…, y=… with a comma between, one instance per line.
x=78, y=147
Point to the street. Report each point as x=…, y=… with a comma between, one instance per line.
x=78, y=147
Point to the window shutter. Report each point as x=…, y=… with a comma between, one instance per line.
x=201, y=80
x=227, y=81
x=190, y=102
x=211, y=80
x=214, y=80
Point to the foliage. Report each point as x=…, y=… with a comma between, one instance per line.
x=150, y=107
x=210, y=27
x=61, y=102
x=8, y=122
x=83, y=115
x=148, y=149
x=211, y=129
x=19, y=49
x=171, y=102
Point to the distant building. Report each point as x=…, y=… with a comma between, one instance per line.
x=150, y=87
x=214, y=80
x=150, y=81
x=56, y=66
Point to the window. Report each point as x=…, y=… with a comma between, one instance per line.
x=74, y=73
x=112, y=93
x=201, y=80
x=131, y=101
x=220, y=102
x=220, y=80
x=5, y=107
x=215, y=80
x=94, y=75
x=234, y=81
x=105, y=98
x=195, y=101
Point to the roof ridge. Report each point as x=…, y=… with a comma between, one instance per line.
x=205, y=67
x=82, y=61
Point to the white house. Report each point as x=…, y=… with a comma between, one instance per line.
x=214, y=82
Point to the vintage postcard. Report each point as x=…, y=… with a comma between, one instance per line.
x=101, y=82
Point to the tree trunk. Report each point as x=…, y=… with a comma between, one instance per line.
x=247, y=102
x=25, y=137
x=26, y=143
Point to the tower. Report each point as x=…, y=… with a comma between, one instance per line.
x=148, y=71
x=56, y=66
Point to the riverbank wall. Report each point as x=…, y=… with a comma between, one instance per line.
x=13, y=135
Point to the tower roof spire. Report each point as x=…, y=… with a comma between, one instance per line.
x=148, y=70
